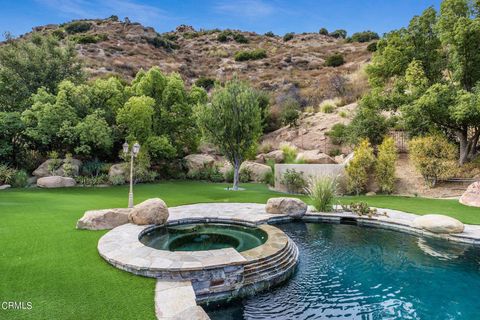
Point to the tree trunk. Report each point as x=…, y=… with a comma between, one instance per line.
x=236, y=170
x=464, y=147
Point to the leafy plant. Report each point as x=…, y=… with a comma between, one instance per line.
x=55, y=162
x=289, y=152
x=361, y=209
x=335, y=60
x=78, y=27
x=323, y=31
x=7, y=174
x=327, y=108
x=364, y=36
x=359, y=167
x=288, y=36
x=270, y=34
x=322, y=192
x=293, y=181
x=339, y=134
x=372, y=47
x=385, y=165
x=240, y=38
x=20, y=179
x=290, y=112
x=116, y=180
x=245, y=175
x=255, y=54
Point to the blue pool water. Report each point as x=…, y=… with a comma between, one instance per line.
x=350, y=272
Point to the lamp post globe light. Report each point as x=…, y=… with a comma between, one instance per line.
x=133, y=154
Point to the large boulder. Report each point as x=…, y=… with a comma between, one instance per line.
x=292, y=207
x=56, y=182
x=275, y=155
x=42, y=170
x=198, y=162
x=471, y=197
x=315, y=157
x=103, y=219
x=5, y=186
x=151, y=211
x=438, y=223
x=257, y=171
x=115, y=170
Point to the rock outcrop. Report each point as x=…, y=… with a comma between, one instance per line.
x=151, y=211
x=315, y=157
x=56, y=182
x=437, y=223
x=257, y=171
x=292, y=207
x=43, y=170
x=471, y=197
x=103, y=219
x=198, y=162
x=116, y=170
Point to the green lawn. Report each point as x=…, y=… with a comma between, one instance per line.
x=45, y=260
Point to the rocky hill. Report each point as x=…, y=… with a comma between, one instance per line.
x=290, y=67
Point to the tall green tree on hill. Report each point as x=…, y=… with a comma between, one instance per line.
x=232, y=121
x=29, y=64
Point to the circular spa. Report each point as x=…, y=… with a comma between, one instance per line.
x=204, y=236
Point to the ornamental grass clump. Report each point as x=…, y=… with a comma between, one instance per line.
x=322, y=192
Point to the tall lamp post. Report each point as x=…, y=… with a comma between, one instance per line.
x=133, y=154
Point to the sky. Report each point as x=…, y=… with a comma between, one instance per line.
x=279, y=16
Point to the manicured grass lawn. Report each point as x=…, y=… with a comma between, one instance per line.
x=45, y=260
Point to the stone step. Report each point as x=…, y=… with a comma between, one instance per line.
x=273, y=274
x=275, y=261
x=266, y=260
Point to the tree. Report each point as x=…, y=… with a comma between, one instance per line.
x=232, y=121
x=11, y=128
x=94, y=135
x=136, y=118
x=29, y=64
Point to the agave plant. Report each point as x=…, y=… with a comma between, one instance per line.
x=322, y=192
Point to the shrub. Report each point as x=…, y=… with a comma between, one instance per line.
x=224, y=35
x=229, y=175
x=78, y=27
x=290, y=113
x=323, y=31
x=339, y=34
x=342, y=114
x=362, y=209
x=338, y=134
x=372, y=47
x=20, y=179
x=364, y=36
x=385, y=165
x=289, y=152
x=359, y=167
x=55, y=163
x=322, y=192
x=160, y=41
x=116, y=180
x=205, y=83
x=240, y=38
x=265, y=147
x=245, y=175
x=92, y=181
x=334, y=60
x=7, y=174
x=59, y=34
x=250, y=55
x=294, y=181
x=434, y=157
x=288, y=36
x=327, y=108
x=270, y=34
x=94, y=168
x=68, y=169
x=89, y=38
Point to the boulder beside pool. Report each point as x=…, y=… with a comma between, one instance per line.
x=438, y=223
x=471, y=197
x=292, y=207
x=103, y=219
x=151, y=211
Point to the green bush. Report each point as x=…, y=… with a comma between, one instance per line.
x=211, y=174
x=229, y=175
x=250, y=55
x=245, y=175
x=289, y=153
x=339, y=34
x=20, y=179
x=89, y=38
x=94, y=168
x=240, y=38
x=224, y=35
x=434, y=157
x=7, y=174
x=78, y=27
x=293, y=181
x=372, y=47
x=117, y=180
x=205, y=83
x=322, y=192
x=55, y=162
x=328, y=108
x=161, y=41
x=334, y=60
x=270, y=34
x=359, y=167
x=92, y=181
x=290, y=113
x=59, y=34
x=361, y=209
x=364, y=36
x=385, y=165
x=68, y=169
x=288, y=36
x=323, y=31
x=338, y=134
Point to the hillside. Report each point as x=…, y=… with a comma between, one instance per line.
x=294, y=67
